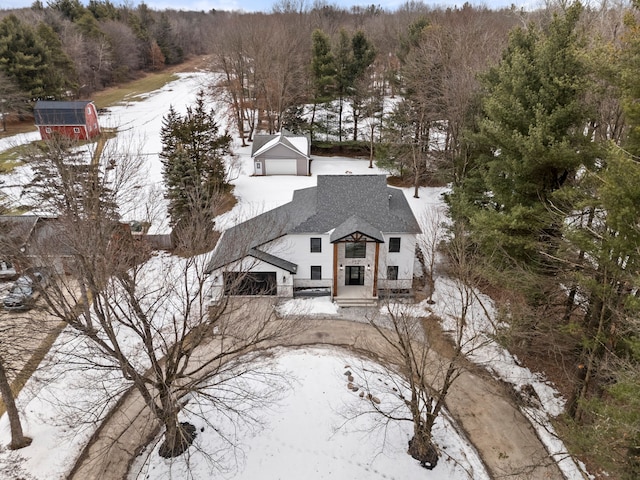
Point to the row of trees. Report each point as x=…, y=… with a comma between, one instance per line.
x=66, y=50
x=274, y=64
x=267, y=59
x=546, y=184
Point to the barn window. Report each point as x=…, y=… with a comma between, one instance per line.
x=47, y=129
x=76, y=129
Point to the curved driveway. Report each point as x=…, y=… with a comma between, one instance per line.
x=482, y=407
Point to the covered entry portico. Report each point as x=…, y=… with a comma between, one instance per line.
x=356, y=253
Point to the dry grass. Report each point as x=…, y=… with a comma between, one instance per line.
x=135, y=90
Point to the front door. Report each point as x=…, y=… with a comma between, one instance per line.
x=354, y=276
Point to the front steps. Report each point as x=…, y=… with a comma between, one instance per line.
x=356, y=302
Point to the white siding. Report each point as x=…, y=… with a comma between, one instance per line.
x=284, y=279
x=297, y=249
x=404, y=260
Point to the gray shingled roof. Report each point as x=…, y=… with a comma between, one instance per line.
x=273, y=260
x=60, y=113
x=16, y=229
x=337, y=201
x=260, y=141
x=355, y=224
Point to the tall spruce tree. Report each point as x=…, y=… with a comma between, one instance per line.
x=194, y=172
x=167, y=41
x=364, y=54
x=604, y=404
x=343, y=61
x=602, y=240
x=532, y=135
x=322, y=71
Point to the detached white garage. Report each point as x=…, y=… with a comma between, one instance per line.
x=281, y=154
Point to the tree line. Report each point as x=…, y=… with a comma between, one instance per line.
x=545, y=183
x=65, y=50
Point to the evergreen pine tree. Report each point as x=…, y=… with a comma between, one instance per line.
x=194, y=171
x=532, y=133
x=322, y=72
x=24, y=57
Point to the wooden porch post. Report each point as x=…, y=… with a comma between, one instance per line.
x=335, y=269
x=375, y=271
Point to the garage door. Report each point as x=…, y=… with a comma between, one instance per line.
x=254, y=283
x=280, y=166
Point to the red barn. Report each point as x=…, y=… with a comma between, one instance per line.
x=77, y=120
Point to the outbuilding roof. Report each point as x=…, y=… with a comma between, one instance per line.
x=48, y=112
x=298, y=143
x=342, y=204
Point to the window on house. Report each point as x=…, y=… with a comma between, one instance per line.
x=394, y=244
x=76, y=130
x=47, y=129
x=316, y=272
x=355, y=250
x=316, y=245
x=392, y=272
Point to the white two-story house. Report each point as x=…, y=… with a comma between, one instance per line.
x=351, y=236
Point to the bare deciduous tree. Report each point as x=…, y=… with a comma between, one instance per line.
x=421, y=372
x=141, y=313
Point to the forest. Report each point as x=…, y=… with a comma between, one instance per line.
x=532, y=117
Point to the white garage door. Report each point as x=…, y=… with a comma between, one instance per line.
x=280, y=166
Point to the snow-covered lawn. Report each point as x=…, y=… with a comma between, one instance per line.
x=308, y=434
x=286, y=448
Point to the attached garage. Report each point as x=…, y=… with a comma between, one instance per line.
x=250, y=283
x=280, y=166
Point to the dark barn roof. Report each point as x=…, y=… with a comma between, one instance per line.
x=48, y=112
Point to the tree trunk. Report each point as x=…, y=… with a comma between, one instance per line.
x=18, y=439
x=355, y=125
x=421, y=448
x=313, y=119
x=178, y=436
x=341, y=101
x=593, y=354
x=371, y=147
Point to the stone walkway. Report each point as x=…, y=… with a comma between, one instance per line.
x=482, y=407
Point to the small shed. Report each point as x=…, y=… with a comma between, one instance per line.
x=76, y=120
x=281, y=154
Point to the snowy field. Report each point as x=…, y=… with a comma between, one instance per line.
x=309, y=434
x=285, y=448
